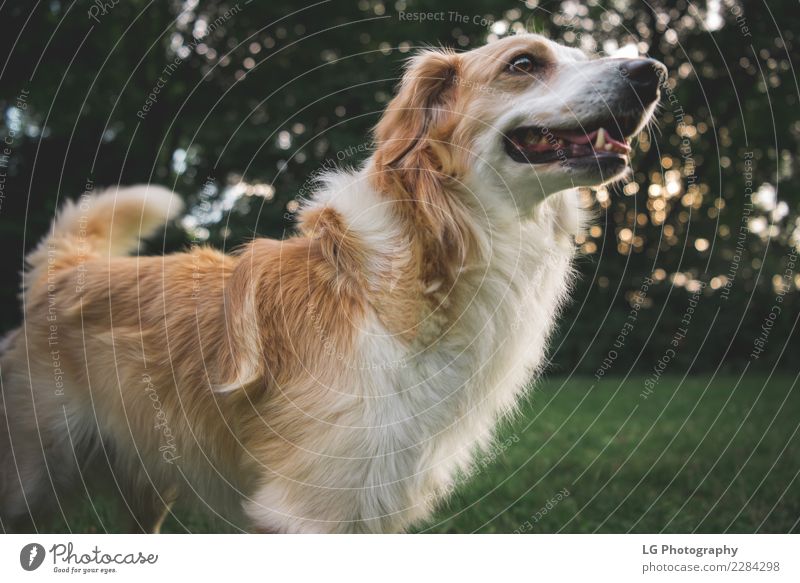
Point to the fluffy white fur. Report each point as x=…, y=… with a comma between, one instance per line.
x=416, y=416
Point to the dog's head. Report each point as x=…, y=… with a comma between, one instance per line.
x=522, y=117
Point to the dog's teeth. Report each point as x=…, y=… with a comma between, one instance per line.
x=608, y=147
x=531, y=138
x=601, y=139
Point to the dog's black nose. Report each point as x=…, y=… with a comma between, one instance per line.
x=644, y=77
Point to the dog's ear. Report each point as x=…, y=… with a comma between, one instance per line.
x=414, y=155
x=422, y=106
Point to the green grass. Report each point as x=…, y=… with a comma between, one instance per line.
x=696, y=455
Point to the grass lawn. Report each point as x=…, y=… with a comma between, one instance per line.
x=696, y=455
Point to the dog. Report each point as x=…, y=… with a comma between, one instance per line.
x=341, y=379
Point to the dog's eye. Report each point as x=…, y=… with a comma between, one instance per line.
x=522, y=64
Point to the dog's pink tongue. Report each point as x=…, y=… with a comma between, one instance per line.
x=617, y=143
x=578, y=137
x=590, y=138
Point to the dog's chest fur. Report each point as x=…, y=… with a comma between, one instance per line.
x=412, y=417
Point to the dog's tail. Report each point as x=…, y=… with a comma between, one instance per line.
x=110, y=223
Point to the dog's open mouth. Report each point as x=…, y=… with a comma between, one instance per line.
x=538, y=145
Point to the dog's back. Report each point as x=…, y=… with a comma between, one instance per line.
x=68, y=373
x=160, y=364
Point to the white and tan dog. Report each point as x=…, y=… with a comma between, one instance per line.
x=336, y=381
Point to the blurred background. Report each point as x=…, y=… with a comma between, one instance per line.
x=237, y=105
